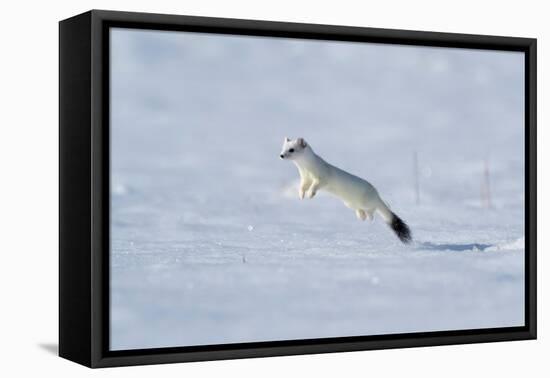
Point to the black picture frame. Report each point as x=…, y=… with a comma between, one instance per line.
x=84, y=187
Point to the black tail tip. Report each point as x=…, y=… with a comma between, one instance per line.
x=401, y=229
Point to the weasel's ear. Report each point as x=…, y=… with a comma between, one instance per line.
x=287, y=139
x=302, y=142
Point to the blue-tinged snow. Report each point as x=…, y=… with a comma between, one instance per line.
x=209, y=241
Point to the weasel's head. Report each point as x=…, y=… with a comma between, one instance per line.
x=293, y=149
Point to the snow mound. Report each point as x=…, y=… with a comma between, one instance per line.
x=518, y=244
x=290, y=190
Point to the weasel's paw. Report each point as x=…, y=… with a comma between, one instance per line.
x=311, y=193
x=301, y=194
x=361, y=214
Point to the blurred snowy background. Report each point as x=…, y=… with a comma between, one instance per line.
x=209, y=241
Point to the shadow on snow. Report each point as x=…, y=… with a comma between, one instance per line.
x=454, y=247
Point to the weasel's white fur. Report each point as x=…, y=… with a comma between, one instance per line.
x=356, y=193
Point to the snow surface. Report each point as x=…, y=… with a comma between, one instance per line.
x=209, y=241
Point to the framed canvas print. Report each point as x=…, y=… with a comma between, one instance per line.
x=235, y=188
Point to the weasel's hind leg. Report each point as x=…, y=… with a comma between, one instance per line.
x=361, y=214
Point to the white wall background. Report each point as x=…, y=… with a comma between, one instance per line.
x=29, y=186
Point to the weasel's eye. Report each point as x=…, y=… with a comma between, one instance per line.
x=291, y=150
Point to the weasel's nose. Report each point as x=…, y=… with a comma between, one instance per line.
x=282, y=156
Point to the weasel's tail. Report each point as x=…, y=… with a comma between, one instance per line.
x=397, y=224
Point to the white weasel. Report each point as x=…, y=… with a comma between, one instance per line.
x=357, y=194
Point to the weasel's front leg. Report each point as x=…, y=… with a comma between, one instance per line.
x=370, y=214
x=305, y=183
x=313, y=188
